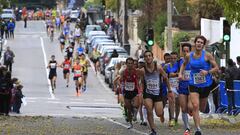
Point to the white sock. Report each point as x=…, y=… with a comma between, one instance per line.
x=144, y=110
x=185, y=120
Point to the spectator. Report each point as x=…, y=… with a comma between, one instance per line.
x=114, y=54
x=2, y=28
x=5, y=91
x=8, y=58
x=230, y=75
x=139, y=52
x=11, y=27
x=18, y=99
x=6, y=30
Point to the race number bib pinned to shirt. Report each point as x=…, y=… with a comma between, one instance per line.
x=186, y=75
x=70, y=50
x=66, y=66
x=53, y=65
x=173, y=82
x=198, y=78
x=129, y=86
x=77, y=72
x=153, y=87
x=61, y=40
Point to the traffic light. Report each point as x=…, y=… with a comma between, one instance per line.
x=226, y=31
x=150, y=37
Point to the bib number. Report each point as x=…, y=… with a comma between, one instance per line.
x=186, y=75
x=199, y=79
x=153, y=87
x=66, y=66
x=173, y=82
x=129, y=86
x=61, y=40
x=77, y=72
x=53, y=65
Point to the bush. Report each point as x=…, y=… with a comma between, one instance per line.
x=177, y=38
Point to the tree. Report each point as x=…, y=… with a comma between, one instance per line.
x=231, y=10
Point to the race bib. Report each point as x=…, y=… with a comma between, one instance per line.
x=198, y=79
x=61, y=40
x=152, y=84
x=53, y=65
x=77, y=72
x=70, y=50
x=71, y=40
x=66, y=66
x=129, y=86
x=173, y=82
x=186, y=75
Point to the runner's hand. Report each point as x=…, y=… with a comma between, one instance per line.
x=203, y=72
x=170, y=95
x=180, y=77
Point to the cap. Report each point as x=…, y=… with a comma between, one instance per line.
x=141, y=60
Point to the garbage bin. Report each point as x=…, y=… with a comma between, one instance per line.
x=127, y=48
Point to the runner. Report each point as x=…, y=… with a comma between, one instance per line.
x=183, y=89
x=62, y=41
x=172, y=70
x=167, y=59
x=95, y=59
x=53, y=72
x=202, y=66
x=151, y=74
x=142, y=108
x=130, y=89
x=69, y=51
x=85, y=64
x=51, y=31
x=77, y=34
x=77, y=71
x=66, y=65
x=71, y=39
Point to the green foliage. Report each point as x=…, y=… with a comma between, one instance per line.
x=92, y=3
x=179, y=37
x=111, y=4
x=136, y=4
x=159, y=26
x=181, y=6
x=142, y=26
x=231, y=10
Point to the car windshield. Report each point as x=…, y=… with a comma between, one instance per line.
x=7, y=12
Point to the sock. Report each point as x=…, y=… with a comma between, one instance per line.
x=144, y=110
x=198, y=129
x=185, y=120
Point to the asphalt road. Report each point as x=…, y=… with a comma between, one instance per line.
x=94, y=112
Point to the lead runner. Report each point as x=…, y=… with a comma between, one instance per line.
x=202, y=66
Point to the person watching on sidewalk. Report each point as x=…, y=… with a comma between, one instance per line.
x=8, y=58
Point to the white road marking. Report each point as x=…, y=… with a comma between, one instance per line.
x=54, y=102
x=100, y=100
x=123, y=125
x=47, y=70
x=4, y=44
x=78, y=99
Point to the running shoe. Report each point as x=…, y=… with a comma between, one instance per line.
x=67, y=85
x=130, y=126
x=143, y=123
x=171, y=123
x=187, y=132
x=198, y=133
x=153, y=133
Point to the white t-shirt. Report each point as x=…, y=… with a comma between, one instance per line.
x=77, y=32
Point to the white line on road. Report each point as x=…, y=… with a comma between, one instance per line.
x=100, y=100
x=47, y=71
x=123, y=125
x=4, y=44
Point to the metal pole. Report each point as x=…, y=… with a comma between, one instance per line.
x=227, y=52
x=169, y=31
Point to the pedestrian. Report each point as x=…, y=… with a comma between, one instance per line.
x=5, y=91
x=11, y=26
x=151, y=74
x=8, y=58
x=231, y=74
x=202, y=66
x=139, y=52
x=6, y=30
x=2, y=28
x=18, y=99
x=114, y=54
x=25, y=21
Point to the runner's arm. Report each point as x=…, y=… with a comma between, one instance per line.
x=182, y=68
x=165, y=77
x=215, y=68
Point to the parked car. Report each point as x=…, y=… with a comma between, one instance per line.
x=110, y=66
x=74, y=15
x=8, y=14
x=88, y=45
x=106, y=57
x=91, y=28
